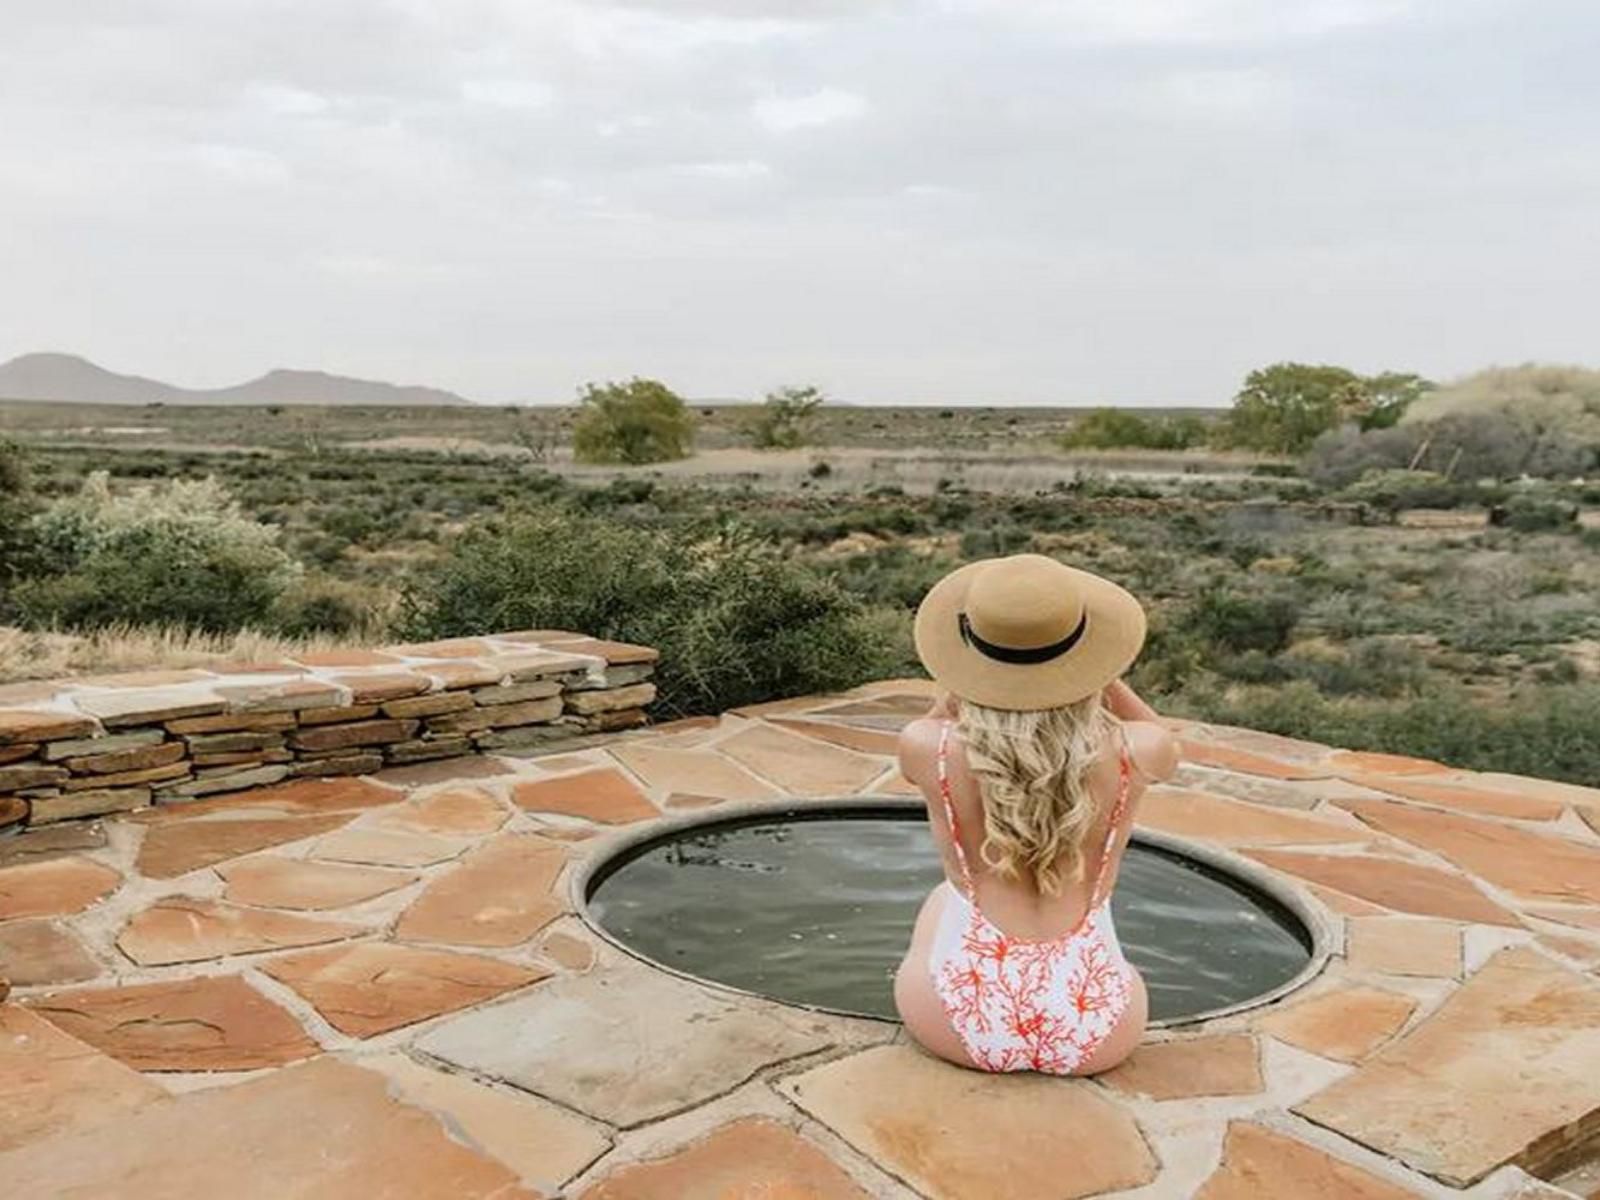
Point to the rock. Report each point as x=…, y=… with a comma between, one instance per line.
x=1345, y=761
x=540, y=1142
x=210, y=1023
x=1391, y=883
x=588, y=703
x=453, y=675
x=149, y=706
x=231, y=781
x=1242, y=762
x=695, y=1043
x=22, y=750
x=37, y=845
x=95, y=803
x=1487, y=801
x=228, y=722
x=235, y=740
x=324, y=1129
x=14, y=811
x=430, y=705
x=422, y=750
x=357, y=733
x=463, y=811
x=363, y=763
x=1236, y=823
x=1506, y=1071
x=1225, y=1065
x=53, y=888
x=30, y=775
x=752, y=1157
x=24, y=725
x=800, y=765
x=605, y=796
x=40, y=953
x=961, y=1135
x=445, y=648
x=1261, y=1164
x=386, y=848
x=500, y=895
x=568, y=952
x=51, y=1083
x=1404, y=946
x=346, y=657
x=700, y=772
x=145, y=775
x=135, y=758
x=178, y=847
x=451, y=771
x=868, y=741
x=497, y=716
x=1538, y=865
x=374, y=987
x=516, y=693
x=273, y=882
x=1345, y=1025
x=186, y=929
x=610, y=677
x=383, y=687
x=113, y=743
x=291, y=696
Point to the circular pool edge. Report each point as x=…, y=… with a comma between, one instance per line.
x=1319, y=924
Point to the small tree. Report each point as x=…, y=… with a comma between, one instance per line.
x=1389, y=395
x=640, y=421
x=784, y=421
x=1283, y=408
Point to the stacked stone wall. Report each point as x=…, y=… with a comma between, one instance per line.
x=94, y=745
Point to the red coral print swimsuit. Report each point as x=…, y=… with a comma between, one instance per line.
x=1020, y=1005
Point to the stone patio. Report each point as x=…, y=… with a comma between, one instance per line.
x=378, y=986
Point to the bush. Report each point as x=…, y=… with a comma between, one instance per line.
x=1111, y=428
x=1393, y=490
x=1530, y=510
x=183, y=554
x=17, y=506
x=1239, y=622
x=641, y=421
x=1284, y=408
x=324, y=606
x=784, y=420
x=736, y=620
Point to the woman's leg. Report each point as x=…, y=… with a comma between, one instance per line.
x=915, y=997
x=1125, y=1038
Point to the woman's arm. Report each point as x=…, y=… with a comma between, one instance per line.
x=1125, y=703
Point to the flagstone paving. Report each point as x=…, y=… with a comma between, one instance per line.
x=378, y=985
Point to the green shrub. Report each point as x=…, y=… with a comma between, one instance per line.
x=323, y=606
x=736, y=620
x=1111, y=428
x=1393, y=490
x=640, y=421
x=1239, y=622
x=183, y=554
x=785, y=419
x=1529, y=510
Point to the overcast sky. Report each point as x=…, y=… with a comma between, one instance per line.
x=960, y=201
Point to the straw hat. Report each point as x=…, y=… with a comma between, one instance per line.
x=1027, y=632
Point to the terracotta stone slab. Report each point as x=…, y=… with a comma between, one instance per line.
x=39, y=844
x=602, y=795
x=1236, y=823
x=1225, y=758
x=374, y=987
x=543, y=1144
x=460, y=812
x=1226, y=1065
x=1538, y=865
x=1510, y=1061
x=290, y=696
x=107, y=744
x=380, y=687
x=24, y=725
x=211, y=1023
x=611, y=699
x=18, y=752
x=753, y=1157
x=141, y=679
x=387, y=848
x=1578, y=918
x=349, y=657
x=147, y=707
x=300, y=796
x=1384, y=764
x=274, y=882
x=567, y=951
x=694, y=1043
x=867, y=741
x=800, y=765
x=40, y=953
x=51, y=1083
x=232, y=723
x=186, y=929
x=131, y=758
x=1402, y=886
x=1346, y=1024
x=1464, y=799
x=418, y=774
x=699, y=772
x=53, y=888
x=447, y=648
x=177, y=847
x=962, y=1135
x=320, y=1131
x=501, y=894
x=614, y=653
x=1262, y=1164
x=1404, y=946
x=96, y=802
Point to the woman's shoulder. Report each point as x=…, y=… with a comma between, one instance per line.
x=918, y=746
x=1153, y=749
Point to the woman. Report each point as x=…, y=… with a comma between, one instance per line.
x=1032, y=764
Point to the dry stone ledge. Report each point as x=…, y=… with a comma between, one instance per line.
x=86, y=747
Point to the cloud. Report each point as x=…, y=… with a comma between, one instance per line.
x=827, y=106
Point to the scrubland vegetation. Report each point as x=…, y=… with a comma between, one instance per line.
x=1300, y=590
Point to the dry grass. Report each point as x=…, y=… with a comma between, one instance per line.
x=52, y=654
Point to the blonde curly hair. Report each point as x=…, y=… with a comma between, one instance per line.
x=1032, y=770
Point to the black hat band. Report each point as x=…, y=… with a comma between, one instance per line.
x=1026, y=655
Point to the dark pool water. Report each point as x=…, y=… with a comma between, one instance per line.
x=819, y=911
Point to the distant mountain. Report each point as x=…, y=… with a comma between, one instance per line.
x=66, y=378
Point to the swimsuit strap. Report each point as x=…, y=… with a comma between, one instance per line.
x=1116, y=825
x=950, y=812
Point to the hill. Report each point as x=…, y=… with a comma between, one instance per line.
x=66, y=378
